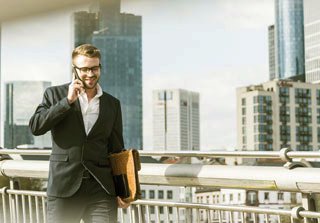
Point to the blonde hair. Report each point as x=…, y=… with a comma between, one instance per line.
x=87, y=50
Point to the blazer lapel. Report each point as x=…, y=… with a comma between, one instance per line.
x=77, y=109
x=102, y=114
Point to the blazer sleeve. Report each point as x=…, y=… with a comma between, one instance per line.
x=48, y=113
x=116, y=143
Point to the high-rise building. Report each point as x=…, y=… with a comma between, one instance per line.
x=20, y=106
x=312, y=40
x=289, y=39
x=176, y=120
x=278, y=114
x=85, y=23
x=1, y=98
x=118, y=36
x=272, y=53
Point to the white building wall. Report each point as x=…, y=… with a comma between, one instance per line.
x=247, y=138
x=176, y=123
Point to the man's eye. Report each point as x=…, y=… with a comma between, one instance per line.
x=84, y=69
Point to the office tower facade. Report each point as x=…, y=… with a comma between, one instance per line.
x=289, y=35
x=272, y=53
x=176, y=121
x=312, y=50
x=85, y=23
x=22, y=98
x=1, y=98
x=118, y=36
x=278, y=114
x=312, y=40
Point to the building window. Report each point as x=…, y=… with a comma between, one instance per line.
x=151, y=194
x=243, y=101
x=160, y=194
x=280, y=196
x=266, y=196
x=152, y=209
x=143, y=194
x=161, y=210
x=169, y=194
x=231, y=197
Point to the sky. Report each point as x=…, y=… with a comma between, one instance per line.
x=211, y=47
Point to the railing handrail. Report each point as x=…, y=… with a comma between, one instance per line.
x=300, y=179
x=210, y=154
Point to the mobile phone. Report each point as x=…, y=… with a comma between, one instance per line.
x=76, y=74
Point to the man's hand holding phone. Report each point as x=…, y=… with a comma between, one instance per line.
x=75, y=88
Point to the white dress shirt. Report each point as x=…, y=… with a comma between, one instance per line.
x=90, y=110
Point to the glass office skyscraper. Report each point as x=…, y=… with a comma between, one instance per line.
x=289, y=38
x=118, y=36
x=20, y=106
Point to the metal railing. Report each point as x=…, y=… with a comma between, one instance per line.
x=29, y=206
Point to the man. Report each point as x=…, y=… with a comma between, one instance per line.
x=86, y=126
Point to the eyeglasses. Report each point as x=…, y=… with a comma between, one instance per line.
x=86, y=70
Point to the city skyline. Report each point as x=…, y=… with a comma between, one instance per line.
x=194, y=49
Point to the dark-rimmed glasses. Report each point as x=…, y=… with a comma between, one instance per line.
x=86, y=70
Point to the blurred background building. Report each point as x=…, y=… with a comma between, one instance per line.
x=118, y=36
x=287, y=43
x=21, y=99
x=176, y=120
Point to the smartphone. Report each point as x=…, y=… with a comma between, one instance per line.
x=76, y=74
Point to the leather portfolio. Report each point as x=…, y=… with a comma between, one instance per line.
x=125, y=166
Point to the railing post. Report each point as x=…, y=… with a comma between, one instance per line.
x=309, y=203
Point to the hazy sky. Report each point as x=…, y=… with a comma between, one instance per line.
x=208, y=46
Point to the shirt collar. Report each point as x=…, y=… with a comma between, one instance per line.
x=99, y=91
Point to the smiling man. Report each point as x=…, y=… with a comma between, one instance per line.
x=86, y=126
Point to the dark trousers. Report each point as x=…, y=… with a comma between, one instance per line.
x=90, y=203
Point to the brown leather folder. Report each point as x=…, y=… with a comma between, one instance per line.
x=125, y=166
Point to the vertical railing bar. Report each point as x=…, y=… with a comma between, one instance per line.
x=148, y=213
x=24, y=217
x=279, y=218
x=231, y=217
x=16, y=197
x=292, y=220
x=30, y=208
x=318, y=220
x=267, y=218
x=197, y=215
x=166, y=213
x=178, y=214
x=12, y=208
x=254, y=217
x=37, y=209
x=44, y=209
x=157, y=214
x=121, y=215
x=130, y=214
x=219, y=216
x=243, y=219
x=133, y=210
x=139, y=213
x=4, y=207
x=208, y=215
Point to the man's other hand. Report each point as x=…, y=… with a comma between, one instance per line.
x=122, y=203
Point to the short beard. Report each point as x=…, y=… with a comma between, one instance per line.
x=94, y=86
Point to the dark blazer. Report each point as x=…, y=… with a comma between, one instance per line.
x=72, y=150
